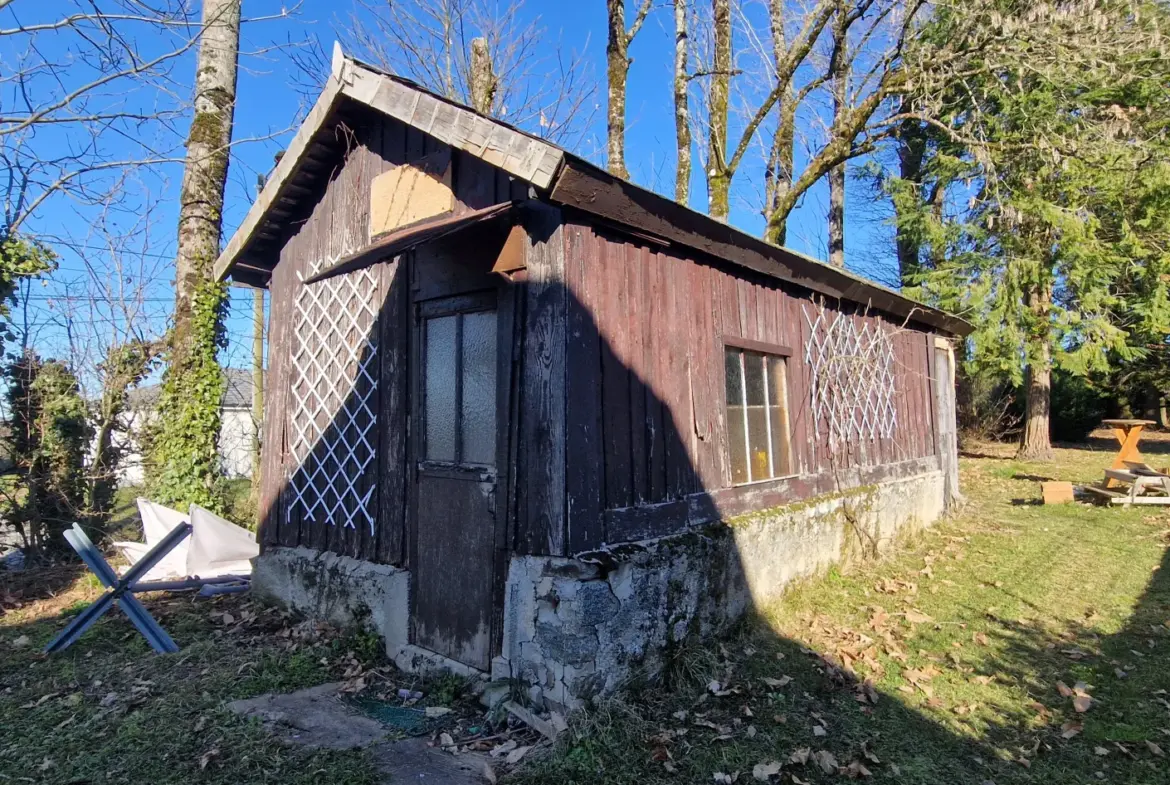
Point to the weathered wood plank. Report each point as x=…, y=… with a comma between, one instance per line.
x=639, y=320
x=613, y=320
x=543, y=530
x=657, y=414
x=584, y=480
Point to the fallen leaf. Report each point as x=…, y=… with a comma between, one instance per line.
x=915, y=616
x=489, y=773
x=1070, y=729
x=1063, y=689
x=207, y=757
x=762, y=771
x=783, y=681
x=436, y=711
x=1102, y=751
x=800, y=755
x=819, y=730
x=1154, y=748
x=504, y=749
x=826, y=761
x=856, y=770
x=445, y=740
x=725, y=779
x=515, y=755
x=1082, y=703
x=21, y=642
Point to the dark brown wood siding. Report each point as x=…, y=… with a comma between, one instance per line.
x=332, y=221
x=645, y=411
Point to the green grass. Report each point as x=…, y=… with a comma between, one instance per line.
x=110, y=711
x=1019, y=597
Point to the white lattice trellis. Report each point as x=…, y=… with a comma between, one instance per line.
x=852, y=377
x=334, y=396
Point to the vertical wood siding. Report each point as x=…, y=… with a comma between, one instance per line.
x=334, y=219
x=645, y=410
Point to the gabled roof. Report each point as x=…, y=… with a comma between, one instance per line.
x=556, y=175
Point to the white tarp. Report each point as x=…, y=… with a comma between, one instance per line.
x=215, y=546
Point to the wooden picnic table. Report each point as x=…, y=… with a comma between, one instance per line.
x=1128, y=433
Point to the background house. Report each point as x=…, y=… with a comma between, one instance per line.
x=235, y=436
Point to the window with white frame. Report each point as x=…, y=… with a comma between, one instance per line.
x=757, y=415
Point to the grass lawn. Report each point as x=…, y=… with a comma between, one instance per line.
x=956, y=659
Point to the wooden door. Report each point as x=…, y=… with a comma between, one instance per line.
x=948, y=443
x=456, y=449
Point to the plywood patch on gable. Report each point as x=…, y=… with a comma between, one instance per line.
x=411, y=192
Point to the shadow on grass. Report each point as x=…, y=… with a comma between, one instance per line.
x=728, y=707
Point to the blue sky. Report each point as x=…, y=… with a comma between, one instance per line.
x=268, y=103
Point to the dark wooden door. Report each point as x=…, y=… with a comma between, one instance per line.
x=456, y=450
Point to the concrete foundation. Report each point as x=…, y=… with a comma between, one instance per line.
x=579, y=627
x=342, y=591
x=576, y=628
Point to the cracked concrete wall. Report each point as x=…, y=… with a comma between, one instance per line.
x=576, y=628
x=343, y=591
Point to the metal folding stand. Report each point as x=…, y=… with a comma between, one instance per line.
x=119, y=591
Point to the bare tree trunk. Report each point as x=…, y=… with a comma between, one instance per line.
x=483, y=78
x=257, y=381
x=1036, y=440
x=617, y=71
x=911, y=153
x=201, y=197
x=682, y=115
x=718, y=173
x=778, y=174
x=839, y=87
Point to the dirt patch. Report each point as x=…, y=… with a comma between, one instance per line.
x=319, y=718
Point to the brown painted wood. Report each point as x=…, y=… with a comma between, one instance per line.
x=543, y=529
x=639, y=319
x=404, y=239
x=585, y=187
x=392, y=414
x=613, y=323
x=584, y=483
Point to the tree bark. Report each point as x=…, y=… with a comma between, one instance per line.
x=718, y=172
x=839, y=87
x=483, y=78
x=184, y=464
x=911, y=154
x=1036, y=441
x=778, y=174
x=617, y=70
x=682, y=116
x=201, y=196
x=257, y=381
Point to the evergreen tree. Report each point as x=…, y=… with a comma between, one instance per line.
x=1050, y=143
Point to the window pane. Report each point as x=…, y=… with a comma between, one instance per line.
x=440, y=388
x=753, y=369
x=736, y=437
x=479, y=387
x=758, y=445
x=778, y=389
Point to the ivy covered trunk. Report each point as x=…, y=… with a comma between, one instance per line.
x=1036, y=442
x=184, y=463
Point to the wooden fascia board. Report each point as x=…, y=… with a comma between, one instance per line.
x=284, y=170
x=584, y=187
x=408, y=237
x=522, y=156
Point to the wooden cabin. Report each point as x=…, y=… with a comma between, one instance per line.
x=529, y=420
